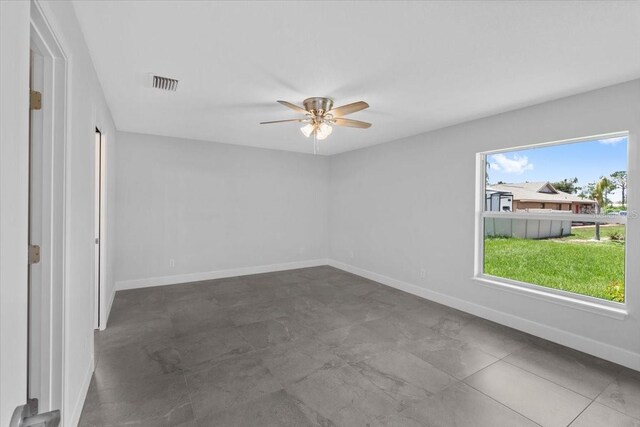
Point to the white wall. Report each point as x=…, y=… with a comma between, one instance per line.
x=86, y=108
x=402, y=206
x=215, y=209
x=14, y=131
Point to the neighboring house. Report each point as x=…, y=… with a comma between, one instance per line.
x=534, y=195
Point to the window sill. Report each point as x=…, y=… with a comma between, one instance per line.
x=604, y=308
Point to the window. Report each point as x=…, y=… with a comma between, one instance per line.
x=553, y=218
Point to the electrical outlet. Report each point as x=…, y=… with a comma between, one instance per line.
x=352, y=255
x=172, y=263
x=423, y=273
x=302, y=249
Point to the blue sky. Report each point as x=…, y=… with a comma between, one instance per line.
x=587, y=161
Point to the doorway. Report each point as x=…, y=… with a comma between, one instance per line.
x=46, y=226
x=99, y=227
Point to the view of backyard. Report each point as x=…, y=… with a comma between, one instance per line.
x=574, y=263
x=540, y=206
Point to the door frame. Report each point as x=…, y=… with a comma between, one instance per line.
x=54, y=226
x=100, y=203
x=105, y=301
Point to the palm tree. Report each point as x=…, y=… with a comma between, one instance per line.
x=619, y=179
x=600, y=192
x=597, y=195
x=607, y=187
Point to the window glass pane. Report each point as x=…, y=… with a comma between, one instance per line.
x=579, y=177
x=573, y=260
x=587, y=177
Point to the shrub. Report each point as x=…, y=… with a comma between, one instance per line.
x=611, y=209
x=617, y=236
x=615, y=291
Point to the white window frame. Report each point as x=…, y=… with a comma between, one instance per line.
x=617, y=310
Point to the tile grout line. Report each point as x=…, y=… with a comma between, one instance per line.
x=500, y=403
x=581, y=412
x=613, y=409
x=553, y=382
x=186, y=384
x=593, y=401
x=542, y=378
x=490, y=397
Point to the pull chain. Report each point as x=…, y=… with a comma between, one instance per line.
x=315, y=143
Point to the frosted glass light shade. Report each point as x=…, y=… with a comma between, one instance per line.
x=307, y=129
x=324, y=131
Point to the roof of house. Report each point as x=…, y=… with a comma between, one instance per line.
x=538, y=192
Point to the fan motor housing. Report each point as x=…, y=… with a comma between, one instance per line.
x=318, y=104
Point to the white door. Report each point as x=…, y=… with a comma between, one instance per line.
x=37, y=410
x=38, y=361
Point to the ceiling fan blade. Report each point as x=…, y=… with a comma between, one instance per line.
x=294, y=107
x=348, y=109
x=282, y=121
x=351, y=123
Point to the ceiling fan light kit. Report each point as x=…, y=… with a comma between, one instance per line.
x=320, y=116
x=307, y=130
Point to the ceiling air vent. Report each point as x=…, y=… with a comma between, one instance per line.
x=165, y=83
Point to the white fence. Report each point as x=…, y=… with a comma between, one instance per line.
x=526, y=228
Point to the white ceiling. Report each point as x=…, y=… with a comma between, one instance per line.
x=420, y=65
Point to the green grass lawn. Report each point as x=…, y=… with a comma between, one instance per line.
x=573, y=263
x=587, y=233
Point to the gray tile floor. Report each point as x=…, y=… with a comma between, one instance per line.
x=321, y=347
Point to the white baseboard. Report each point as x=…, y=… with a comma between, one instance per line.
x=73, y=418
x=587, y=345
x=105, y=317
x=218, y=274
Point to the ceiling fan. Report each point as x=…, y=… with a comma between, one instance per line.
x=321, y=116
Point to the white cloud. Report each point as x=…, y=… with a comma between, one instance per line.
x=516, y=165
x=613, y=141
